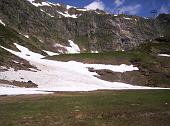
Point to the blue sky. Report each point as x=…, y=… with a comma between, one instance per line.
x=133, y=7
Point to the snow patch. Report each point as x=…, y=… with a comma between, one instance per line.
x=97, y=12
x=33, y=69
x=39, y=4
x=16, y=62
x=127, y=18
x=54, y=4
x=146, y=18
x=82, y=9
x=47, y=13
x=74, y=48
x=94, y=51
x=45, y=4
x=58, y=4
x=2, y=23
x=26, y=36
x=66, y=14
x=68, y=7
x=41, y=40
x=3, y=67
x=165, y=55
x=31, y=1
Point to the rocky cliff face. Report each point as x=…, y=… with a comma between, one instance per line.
x=49, y=24
x=163, y=25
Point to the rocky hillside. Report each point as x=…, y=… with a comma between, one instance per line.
x=49, y=26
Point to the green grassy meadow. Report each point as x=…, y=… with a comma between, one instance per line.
x=98, y=108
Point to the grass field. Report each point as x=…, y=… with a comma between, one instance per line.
x=99, y=108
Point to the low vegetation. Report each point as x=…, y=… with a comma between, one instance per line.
x=104, y=108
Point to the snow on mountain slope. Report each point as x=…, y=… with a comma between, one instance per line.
x=60, y=9
x=2, y=23
x=39, y=4
x=74, y=48
x=61, y=76
x=165, y=55
x=66, y=14
x=47, y=13
x=25, y=53
x=68, y=6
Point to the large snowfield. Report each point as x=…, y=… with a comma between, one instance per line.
x=52, y=76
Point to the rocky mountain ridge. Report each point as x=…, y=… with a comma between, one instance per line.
x=48, y=24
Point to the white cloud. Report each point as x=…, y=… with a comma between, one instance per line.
x=163, y=9
x=119, y=2
x=97, y=4
x=130, y=9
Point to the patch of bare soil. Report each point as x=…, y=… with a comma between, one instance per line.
x=132, y=77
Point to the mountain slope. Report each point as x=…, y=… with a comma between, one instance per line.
x=29, y=27
x=92, y=30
